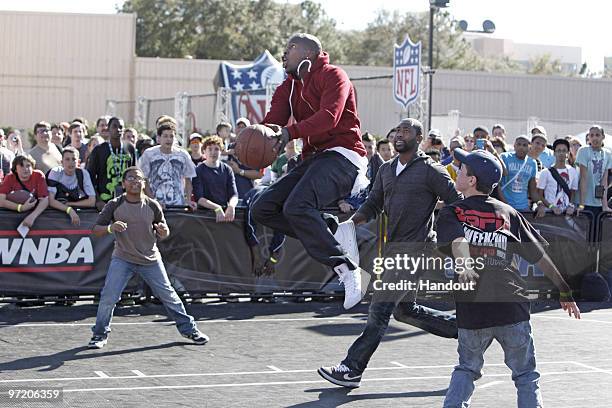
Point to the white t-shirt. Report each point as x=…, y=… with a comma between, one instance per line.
x=71, y=182
x=166, y=173
x=399, y=167
x=553, y=193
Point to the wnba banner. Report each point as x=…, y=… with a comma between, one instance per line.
x=201, y=256
x=54, y=258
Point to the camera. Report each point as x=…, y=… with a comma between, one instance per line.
x=14, y=139
x=480, y=144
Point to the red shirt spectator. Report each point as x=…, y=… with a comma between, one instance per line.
x=36, y=184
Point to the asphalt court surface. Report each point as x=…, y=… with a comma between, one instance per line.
x=266, y=355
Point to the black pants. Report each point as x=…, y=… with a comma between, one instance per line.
x=292, y=205
x=250, y=226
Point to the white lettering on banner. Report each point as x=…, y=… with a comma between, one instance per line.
x=47, y=251
x=9, y=253
x=29, y=249
x=82, y=249
x=57, y=251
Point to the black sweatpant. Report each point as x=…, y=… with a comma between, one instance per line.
x=292, y=205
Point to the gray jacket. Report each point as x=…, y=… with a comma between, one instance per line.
x=409, y=199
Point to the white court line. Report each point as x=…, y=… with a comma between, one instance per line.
x=101, y=374
x=274, y=368
x=568, y=319
x=239, y=373
x=398, y=364
x=492, y=383
x=600, y=370
x=138, y=373
x=170, y=323
x=168, y=387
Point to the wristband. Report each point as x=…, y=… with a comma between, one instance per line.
x=218, y=209
x=273, y=260
x=581, y=206
x=110, y=231
x=550, y=206
x=68, y=210
x=19, y=207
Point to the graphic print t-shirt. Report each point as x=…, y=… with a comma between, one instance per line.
x=106, y=165
x=496, y=232
x=167, y=173
x=553, y=192
x=596, y=163
x=515, y=185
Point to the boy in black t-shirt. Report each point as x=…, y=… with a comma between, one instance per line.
x=489, y=233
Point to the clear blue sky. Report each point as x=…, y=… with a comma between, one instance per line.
x=584, y=23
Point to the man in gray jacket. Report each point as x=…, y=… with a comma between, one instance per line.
x=407, y=189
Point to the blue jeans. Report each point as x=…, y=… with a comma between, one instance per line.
x=403, y=305
x=379, y=313
x=519, y=355
x=118, y=275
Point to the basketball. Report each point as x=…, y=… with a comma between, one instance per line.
x=256, y=146
x=19, y=196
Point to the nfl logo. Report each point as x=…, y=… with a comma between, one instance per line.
x=406, y=72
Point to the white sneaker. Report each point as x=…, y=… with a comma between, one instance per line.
x=352, y=284
x=347, y=238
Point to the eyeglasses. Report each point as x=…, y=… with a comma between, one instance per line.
x=134, y=178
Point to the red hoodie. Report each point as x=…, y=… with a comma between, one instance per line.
x=324, y=107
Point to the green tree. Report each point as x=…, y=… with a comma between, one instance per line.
x=544, y=65
x=225, y=29
x=242, y=29
x=451, y=50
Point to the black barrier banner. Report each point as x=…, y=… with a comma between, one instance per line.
x=54, y=258
x=605, y=263
x=569, y=248
x=205, y=256
x=201, y=256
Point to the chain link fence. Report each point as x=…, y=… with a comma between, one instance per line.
x=202, y=112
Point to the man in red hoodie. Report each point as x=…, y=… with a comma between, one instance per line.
x=319, y=101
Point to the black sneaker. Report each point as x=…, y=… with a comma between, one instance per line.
x=97, y=342
x=197, y=337
x=340, y=375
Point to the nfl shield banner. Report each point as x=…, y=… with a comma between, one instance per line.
x=248, y=85
x=406, y=72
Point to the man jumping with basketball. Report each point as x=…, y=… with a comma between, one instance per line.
x=321, y=100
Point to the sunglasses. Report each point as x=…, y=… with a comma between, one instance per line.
x=134, y=178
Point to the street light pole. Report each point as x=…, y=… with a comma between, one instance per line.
x=432, y=11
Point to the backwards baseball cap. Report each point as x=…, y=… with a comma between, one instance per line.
x=434, y=133
x=540, y=135
x=539, y=129
x=524, y=137
x=244, y=121
x=484, y=165
x=195, y=136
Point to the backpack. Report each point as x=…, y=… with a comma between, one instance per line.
x=65, y=194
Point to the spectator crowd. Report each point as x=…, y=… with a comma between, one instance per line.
x=68, y=169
